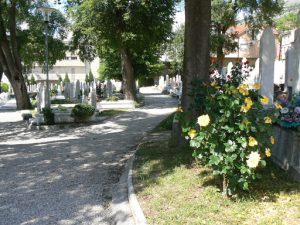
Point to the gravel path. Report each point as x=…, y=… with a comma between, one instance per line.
x=65, y=176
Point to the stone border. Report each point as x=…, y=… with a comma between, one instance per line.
x=136, y=209
x=125, y=206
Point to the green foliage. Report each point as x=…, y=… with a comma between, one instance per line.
x=113, y=99
x=257, y=14
x=66, y=79
x=175, y=51
x=48, y=116
x=165, y=125
x=287, y=22
x=233, y=133
x=31, y=41
x=62, y=101
x=4, y=87
x=60, y=80
x=91, y=77
x=140, y=27
x=32, y=80
x=82, y=111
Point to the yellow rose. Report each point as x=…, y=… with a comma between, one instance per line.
x=252, y=141
x=272, y=139
x=253, y=160
x=213, y=83
x=192, y=133
x=243, y=89
x=248, y=101
x=268, y=152
x=268, y=120
x=257, y=86
x=179, y=109
x=278, y=106
x=203, y=120
x=245, y=108
x=264, y=100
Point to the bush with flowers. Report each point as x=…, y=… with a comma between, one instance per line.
x=233, y=134
x=289, y=115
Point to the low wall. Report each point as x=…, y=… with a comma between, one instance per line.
x=286, y=151
x=120, y=104
x=65, y=117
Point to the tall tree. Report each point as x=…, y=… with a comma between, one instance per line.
x=196, y=48
x=175, y=50
x=131, y=29
x=225, y=13
x=18, y=45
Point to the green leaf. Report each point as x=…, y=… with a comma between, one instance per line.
x=263, y=163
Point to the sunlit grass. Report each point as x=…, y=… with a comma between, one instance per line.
x=172, y=189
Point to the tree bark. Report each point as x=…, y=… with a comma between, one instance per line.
x=196, y=48
x=11, y=62
x=1, y=73
x=128, y=76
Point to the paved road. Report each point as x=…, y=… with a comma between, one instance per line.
x=65, y=176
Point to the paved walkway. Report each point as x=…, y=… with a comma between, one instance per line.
x=65, y=176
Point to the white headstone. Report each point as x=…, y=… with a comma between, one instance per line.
x=229, y=68
x=289, y=62
x=93, y=98
x=267, y=55
x=296, y=64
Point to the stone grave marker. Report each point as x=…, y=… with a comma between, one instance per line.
x=267, y=54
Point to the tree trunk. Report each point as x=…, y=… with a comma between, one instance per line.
x=196, y=48
x=10, y=59
x=21, y=95
x=1, y=73
x=225, y=186
x=128, y=76
x=220, y=61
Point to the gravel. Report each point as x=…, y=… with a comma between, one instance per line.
x=65, y=176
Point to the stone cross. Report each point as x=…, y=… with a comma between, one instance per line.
x=267, y=55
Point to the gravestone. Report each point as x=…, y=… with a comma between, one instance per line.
x=267, y=55
x=296, y=64
x=93, y=98
x=229, y=68
x=77, y=90
x=161, y=82
x=67, y=90
x=109, y=89
x=289, y=62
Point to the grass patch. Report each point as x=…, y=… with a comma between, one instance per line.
x=112, y=112
x=172, y=189
x=165, y=125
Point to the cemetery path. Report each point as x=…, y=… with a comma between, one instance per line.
x=65, y=176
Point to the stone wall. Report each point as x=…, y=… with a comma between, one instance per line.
x=286, y=151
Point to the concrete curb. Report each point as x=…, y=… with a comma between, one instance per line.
x=135, y=207
x=120, y=206
x=125, y=206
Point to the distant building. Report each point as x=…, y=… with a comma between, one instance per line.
x=248, y=45
x=72, y=65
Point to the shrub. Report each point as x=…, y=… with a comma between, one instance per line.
x=48, y=116
x=4, y=87
x=233, y=135
x=82, y=111
x=113, y=99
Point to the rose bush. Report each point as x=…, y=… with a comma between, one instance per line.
x=233, y=135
